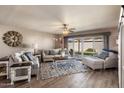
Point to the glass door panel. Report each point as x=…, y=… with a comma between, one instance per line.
x=86, y=45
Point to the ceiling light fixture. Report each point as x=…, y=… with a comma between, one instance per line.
x=65, y=32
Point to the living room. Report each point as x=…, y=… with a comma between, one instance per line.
x=64, y=46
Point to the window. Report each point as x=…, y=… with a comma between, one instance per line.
x=82, y=44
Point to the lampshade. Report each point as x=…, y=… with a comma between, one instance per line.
x=35, y=46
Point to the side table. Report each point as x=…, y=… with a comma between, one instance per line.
x=6, y=63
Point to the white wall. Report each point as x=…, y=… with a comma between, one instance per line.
x=121, y=56
x=44, y=40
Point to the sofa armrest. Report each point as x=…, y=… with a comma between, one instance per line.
x=35, y=61
x=21, y=64
x=111, y=62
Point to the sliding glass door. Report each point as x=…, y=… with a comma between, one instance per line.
x=93, y=44
x=86, y=45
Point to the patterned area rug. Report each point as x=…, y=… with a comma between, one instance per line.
x=62, y=67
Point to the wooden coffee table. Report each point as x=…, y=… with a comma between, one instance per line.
x=58, y=58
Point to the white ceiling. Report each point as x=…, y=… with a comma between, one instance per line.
x=47, y=18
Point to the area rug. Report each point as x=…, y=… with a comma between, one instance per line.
x=62, y=67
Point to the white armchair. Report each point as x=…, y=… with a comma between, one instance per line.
x=17, y=68
x=22, y=66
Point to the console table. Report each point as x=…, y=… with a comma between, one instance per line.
x=6, y=63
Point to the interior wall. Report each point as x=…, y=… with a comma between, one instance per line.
x=113, y=39
x=30, y=37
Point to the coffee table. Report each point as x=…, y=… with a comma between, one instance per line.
x=58, y=58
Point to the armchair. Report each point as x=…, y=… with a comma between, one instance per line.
x=16, y=70
x=23, y=65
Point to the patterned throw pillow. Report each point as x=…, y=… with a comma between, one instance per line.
x=29, y=56
x=24, y=57
x=103, y=55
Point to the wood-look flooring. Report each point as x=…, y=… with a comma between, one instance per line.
x=94, y=79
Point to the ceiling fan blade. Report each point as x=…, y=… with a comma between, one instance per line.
x=61, y=28
x=65, y=25
x=71, y=31
x=72, y=28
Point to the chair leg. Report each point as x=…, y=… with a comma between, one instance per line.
x=38, y=73
x=29, y=74
x=12, y=76
x=12, y=82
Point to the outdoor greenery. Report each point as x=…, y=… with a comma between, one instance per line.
x=90, y=52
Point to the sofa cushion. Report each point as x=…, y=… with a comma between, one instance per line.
x=93, y=62
x=57, y=55
x=48, y=56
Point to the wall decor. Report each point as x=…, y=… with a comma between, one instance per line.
x=12, y=38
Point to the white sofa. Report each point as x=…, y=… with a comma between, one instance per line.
x=98, y=63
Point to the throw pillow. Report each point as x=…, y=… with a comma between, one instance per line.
x=66, y=51
x=18, y=57
x=29, y=56
x=46, y=52
x=24, y=57
x=59, y=53
x=110, y=50
x=52, y=52
x=56, y=51
x=103, y=55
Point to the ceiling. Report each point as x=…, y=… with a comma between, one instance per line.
x=49, y=18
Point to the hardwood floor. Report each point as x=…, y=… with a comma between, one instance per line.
x=93, y=79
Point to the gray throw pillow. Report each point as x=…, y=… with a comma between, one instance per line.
x=52, y=52
x=47, y=52
x=59, y=53
x=103, y=55
x=66, y=52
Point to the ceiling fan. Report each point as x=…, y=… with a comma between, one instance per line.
x=67, y=30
